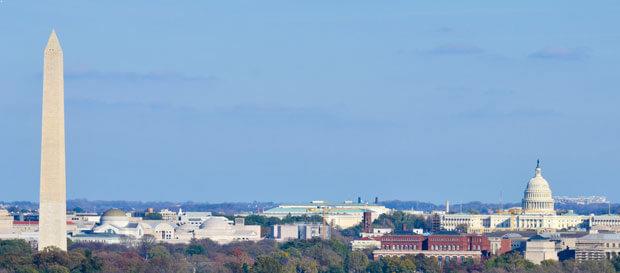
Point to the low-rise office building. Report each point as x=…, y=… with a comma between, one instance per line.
x=538, y=249
x=302, y=231
x=365, y=243
x=597, y=246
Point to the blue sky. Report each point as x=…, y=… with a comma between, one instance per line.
x=233, y=100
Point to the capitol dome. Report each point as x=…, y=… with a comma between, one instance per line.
x=115, y=217
x=537, y=198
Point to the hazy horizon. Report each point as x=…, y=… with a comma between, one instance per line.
x=297, y=101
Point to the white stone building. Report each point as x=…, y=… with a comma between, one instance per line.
x=304, y=231
x=117, y=222
x=365, y=243
x=597, y=246
x=538, y=249
x=342, y=215
x=117, y=226
x=223, y=231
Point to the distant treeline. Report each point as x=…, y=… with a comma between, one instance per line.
x=83, y=205
x=479, y=207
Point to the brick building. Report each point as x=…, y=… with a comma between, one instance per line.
x=446, y=247
x=458, y=242
x=402, y=242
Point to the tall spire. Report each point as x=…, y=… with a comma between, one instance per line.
x=53, y=43
x=53, y=195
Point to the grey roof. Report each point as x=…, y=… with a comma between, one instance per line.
x=602, y=236
x=512, y=235
x=96, y=235
x=538, y=238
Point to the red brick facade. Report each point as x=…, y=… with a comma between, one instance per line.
x=458, y=242
x=464, y=242
x=367, y=222
x=443, y=247
x=505, y=246
x=402, y=242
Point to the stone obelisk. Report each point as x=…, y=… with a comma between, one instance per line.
x=53, y=194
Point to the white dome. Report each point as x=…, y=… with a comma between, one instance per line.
x=537, y=198
x=115, y=217
x=217, y=222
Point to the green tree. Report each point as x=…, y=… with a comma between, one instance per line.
x=398, y=265
x=195, y=249
x=356, y=262
x=52, y=259
x=56, y=268
x=83, y=261
x=160, y=260
x=305, y=265
x=153, y=216
x=597, y=266
x=277, y=262
x=427, y=264
x=399, y=220
x=15, y=254
x=616, y=263
x=511, y=261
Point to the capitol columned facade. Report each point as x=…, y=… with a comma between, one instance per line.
x=537, y=212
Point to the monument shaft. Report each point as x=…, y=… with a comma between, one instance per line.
x=53, y=196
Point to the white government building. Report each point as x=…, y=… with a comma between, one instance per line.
x=537, y=213
x=116, y=226
x=341, y=215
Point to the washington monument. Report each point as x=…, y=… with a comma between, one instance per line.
x=53, y=195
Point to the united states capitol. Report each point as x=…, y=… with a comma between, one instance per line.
x=536, y=213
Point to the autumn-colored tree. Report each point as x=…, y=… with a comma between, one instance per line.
x=427, y=264
x=52, y=259
x=278, y=262
x=356, y=262
x=121, y=262
x=16, y=255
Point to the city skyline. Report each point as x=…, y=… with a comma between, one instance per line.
x=180, y=110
